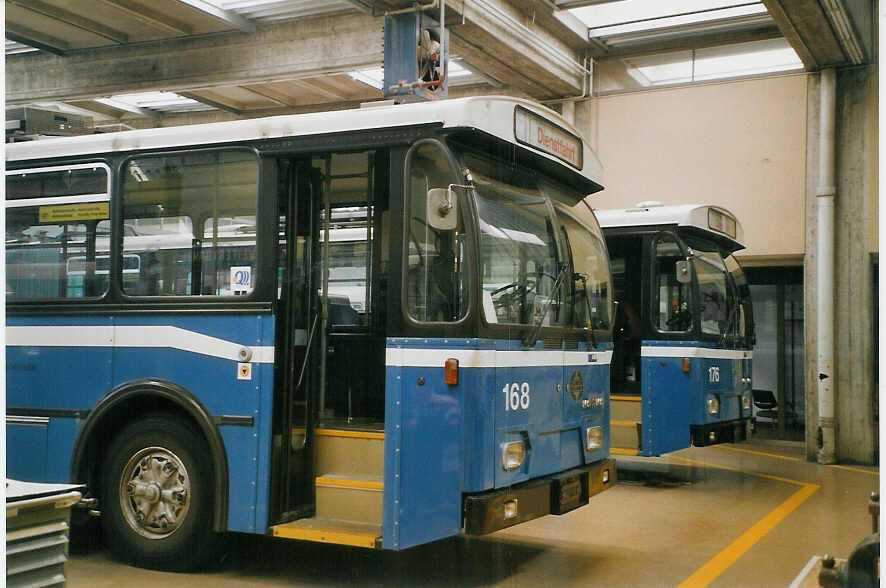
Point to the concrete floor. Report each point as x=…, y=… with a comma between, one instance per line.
x=732, y=515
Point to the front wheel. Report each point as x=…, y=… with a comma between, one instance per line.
x=157, y=495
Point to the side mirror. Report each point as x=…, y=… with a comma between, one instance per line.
x=442, y=212
x=684, y=274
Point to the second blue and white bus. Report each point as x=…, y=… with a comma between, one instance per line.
x=681, y=371
x=376, y=327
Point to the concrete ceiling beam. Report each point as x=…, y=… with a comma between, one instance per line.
x=71, y=19
x=280, y=51
x=149, y=17
x=513, y=43
x=36, y=39
x=825, y=33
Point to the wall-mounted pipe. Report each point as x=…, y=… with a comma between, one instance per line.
x=825, y=192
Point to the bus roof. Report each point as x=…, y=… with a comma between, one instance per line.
x=495, y=115
x=714, y=220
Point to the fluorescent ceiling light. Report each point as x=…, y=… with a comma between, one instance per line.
x=375, y=76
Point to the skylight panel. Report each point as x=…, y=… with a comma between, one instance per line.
x=699, y=65
x=746, y=59
x=630, y=16
x=160, y=101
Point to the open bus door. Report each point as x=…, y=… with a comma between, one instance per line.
x=298, y=324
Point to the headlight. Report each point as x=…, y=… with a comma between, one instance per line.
x=713, y=404
x=594, y=438
x=746, y=402
x=512, y=455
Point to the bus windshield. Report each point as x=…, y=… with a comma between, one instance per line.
x=538, y=265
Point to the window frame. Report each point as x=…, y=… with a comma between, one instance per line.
x=466, y=210
x=653, y=281
x=261, y=282
x=64, y=200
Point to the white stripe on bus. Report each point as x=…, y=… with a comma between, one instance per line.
x=489, y=358
x=700, y=352
x=58, y=200
x=133, y=336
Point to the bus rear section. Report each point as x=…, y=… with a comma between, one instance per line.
x=682, y=368
x=374, y=339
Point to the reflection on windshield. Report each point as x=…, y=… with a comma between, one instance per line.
x=518, y=254
x=539, y=266
x=716, y=296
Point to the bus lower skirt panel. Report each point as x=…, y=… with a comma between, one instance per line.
x=714, y=433
x=557, y=494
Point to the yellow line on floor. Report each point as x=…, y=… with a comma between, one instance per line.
x=711, y=570
x=753, y=452
x=717, y=466
x=852, y=469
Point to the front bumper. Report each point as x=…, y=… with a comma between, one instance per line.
x=555, y=494
x=725, y=432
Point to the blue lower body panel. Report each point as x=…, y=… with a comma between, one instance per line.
x=443, y=441
x=90, y=356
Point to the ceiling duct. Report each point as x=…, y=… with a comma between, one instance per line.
x=24, y=122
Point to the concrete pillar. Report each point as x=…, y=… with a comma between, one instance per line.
x=855, y=241
x=567, y=109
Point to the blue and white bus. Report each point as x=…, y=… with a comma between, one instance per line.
x=376, y=327
x=681, y=371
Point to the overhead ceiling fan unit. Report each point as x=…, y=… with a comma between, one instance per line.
x=415, y=58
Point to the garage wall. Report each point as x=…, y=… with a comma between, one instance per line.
x=738, y=144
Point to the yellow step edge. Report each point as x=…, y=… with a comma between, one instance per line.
x=623, y=423
x=623, y=451
x=348, y=434
x=336, y=536
x=348, y=483
x=620, y=398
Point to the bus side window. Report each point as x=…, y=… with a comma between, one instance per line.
x=670, y=297
x=190, y=219
x=436, y=289
x=59, y=247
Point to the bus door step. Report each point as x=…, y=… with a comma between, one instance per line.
x=625, y=426
x=331, y=531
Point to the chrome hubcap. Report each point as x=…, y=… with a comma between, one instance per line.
x=155, y=492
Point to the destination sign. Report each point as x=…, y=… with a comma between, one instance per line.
x=721, y=222
x=539, y=133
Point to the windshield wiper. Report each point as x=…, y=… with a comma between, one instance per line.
x=530, y=340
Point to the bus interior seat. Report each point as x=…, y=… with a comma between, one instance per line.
x=766, y=405
x=341, y=312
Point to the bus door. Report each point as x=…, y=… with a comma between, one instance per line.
x=668, y=389
x=297, y=328
x=350, y=385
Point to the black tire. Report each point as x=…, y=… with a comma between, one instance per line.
x=158, y=495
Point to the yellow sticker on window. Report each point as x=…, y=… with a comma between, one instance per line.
x=74, y=212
